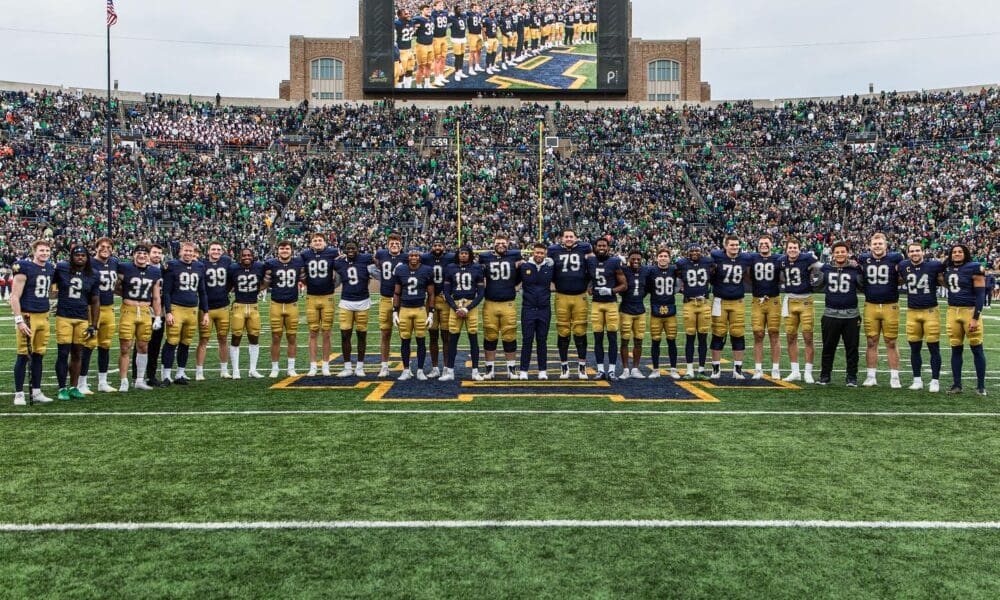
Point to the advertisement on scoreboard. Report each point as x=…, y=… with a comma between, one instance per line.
x=427, y=46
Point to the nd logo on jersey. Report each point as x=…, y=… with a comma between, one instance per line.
x=660, y=390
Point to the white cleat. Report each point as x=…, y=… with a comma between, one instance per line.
x=292, y=373
x=434, y=374
x=346, y=372
x=142, y=385
x=523, y=376
x=359, y=370
x=421, y=376
x=626, y=374
x=870, y=382
x=543, y=375
x=447, y=375
x=105, y=388
x=916, y=386
x=85, y=390
x=255, y=375
x=325, y=371
x=895, y=384
x=274, y=373
x=637, y=374
x=654, y=374
x=311, y=372
x=808, y=378
x=383, y=372
x=476, y=375
x=199, y=377
x=123, y=386
x=758, y=375
x=512, y=374
x=581, y=372
x=793, y=376
x=489, y=374
x=40, y=398
x=934, y=386
x=406, y=375
x=236, y=375
x=19, y=399
x=716, y=374
x=775, y=374
x=226, y=375
x=674, y=374
x=565, y=373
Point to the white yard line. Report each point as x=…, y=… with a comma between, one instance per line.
x=501, y=411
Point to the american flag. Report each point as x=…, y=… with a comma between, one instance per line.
x=112, y=16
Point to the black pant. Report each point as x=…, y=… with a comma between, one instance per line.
x=154, y=354
x=833, y=330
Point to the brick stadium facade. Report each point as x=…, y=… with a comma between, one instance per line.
x=350, y=52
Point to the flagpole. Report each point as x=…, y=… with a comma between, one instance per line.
x=541, y=125
x=458, y=160
x=107, y=159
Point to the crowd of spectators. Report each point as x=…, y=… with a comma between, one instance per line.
x=921, y=167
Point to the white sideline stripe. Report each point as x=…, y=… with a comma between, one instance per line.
x=349, y=412
x=525, y=524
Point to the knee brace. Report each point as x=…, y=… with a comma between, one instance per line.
x=739, y=343
x=507, y=346
x=490, y=345
x=718, y=341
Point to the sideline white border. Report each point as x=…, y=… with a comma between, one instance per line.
x=28, y=413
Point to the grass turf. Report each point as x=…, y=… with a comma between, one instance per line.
x=404, y=467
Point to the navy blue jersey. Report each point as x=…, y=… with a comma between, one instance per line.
x=731, y=274
x=961, y=291
x=438, y=265
x=881, y=277
x=506, y=25
x=474, y=22
x=921, y=282
x=501, y=275
x=354, y=277
x=217, y=282
x=695, y=277
x=425, y=30
x=571, y=273
x=76, y=290
x=490, y=27
x=662, y=286
x=413, y=284
x=841, y=286
x=405, y=31
x=536, y=20
x=246, y=282
x=319, y=270
x=138, y=283
x=632, y=298
x=184, y=285
x=536, y=285
x=108, y=276
x=440, y=19
x=796, y=273
x=604, y=273
x=387, y=264
x=463, y=282
x=765, y=275
x=458, y=27
x=284, y=279
x=35, y=297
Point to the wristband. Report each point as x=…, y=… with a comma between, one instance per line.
x=976, y=315
x=395, y=309
x=430, y=311
x=18, y=319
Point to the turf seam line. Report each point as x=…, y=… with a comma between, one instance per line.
x=494, y=524
x=354, y=412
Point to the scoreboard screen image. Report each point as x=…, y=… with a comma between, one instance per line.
x=448, y=46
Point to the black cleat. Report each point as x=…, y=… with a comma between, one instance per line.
x=823, y=380
x=601, y=375
x=981, y=391
x=181, y=381
x=955, y=389
x=852, y=382
x=164, y=383
x=153, y=382
x=613, y=376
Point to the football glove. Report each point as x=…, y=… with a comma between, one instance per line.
x=430, y=319
x=548, y=262
x=602, y=291
x=375, y=272
x=157, y=323
x=395, y=319
x=90, y=332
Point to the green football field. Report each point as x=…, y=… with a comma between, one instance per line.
x=234, y=489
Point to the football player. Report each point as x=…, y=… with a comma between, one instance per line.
x=923, y=319
x=840, y=281
x=29, y=301
x=765, y=307
x=879, y=268
x=633, y=313
x=797, y=269
x=246, y=280
x=184, y=294
x=606, y=282
x=474, y=24
x=440, y=18
x=966, y=284
x=78, y=313
x=732, y=270
x=464, y=290
x=661, y=282
x=571, y=279
x=424, y=26
x=405, y=32
x=413, y=309
x=535, y=275
x=156, y=341
x=438, y=260
x=106, y=267
x=499, y=310
x=458, y=40
x=217, y=287
x=355, y=273
x=281, y=277
x=491, y=28
x=139, y=284
x=387, y=260
x=695, y=271
x=319, y=276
